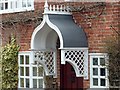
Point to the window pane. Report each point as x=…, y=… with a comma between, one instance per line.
x=102, y=61
x=27, y=59
x=21, y=59
x=24, y=3
x=102, y=82
x=95, y=71
x=40, y=83
x=6, y=5
x=29, y=3
x=34, y=71
x=102, y=71
x=27, y=83
x=34, y=83
x=40, y=71
x=36, y=62
x=1, y=6
x=21, y=82
x=95, y=81
x=11, y=3
x=22, y=71
x=16, y=4
x=95, y=61
x=27, y=71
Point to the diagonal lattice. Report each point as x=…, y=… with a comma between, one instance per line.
x=78, y=58
x=46, y=58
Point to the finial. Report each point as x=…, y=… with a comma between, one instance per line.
x=46, y=6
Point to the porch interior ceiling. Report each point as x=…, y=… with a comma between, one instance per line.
x=46, y=38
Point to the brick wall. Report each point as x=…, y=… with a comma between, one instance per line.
x=97, y=30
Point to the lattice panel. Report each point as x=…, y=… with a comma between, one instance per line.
x=49, y=62
x=46, y=58
x=77, y=57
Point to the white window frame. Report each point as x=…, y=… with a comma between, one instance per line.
x=30, y=65
x=12, y=6
x=37, y=77
x=98, y=55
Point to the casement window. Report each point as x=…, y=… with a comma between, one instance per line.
x=11, y=6
x=98, y=71
x=30, y=75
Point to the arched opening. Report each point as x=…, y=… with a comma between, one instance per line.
x=45, y=38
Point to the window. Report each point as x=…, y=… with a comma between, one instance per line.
x=30, y=75
x=37, y=76
x=24, y=3
x=1, y=6
x=98, y=71
x=29, y=3
x=11, y=6
x=24, y=71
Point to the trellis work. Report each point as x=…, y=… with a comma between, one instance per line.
x=58, y=23
x=47, y=59
x=78, y=58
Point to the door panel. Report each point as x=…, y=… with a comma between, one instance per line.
x=68, y=79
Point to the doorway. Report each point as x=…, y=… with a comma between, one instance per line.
x=68, y=79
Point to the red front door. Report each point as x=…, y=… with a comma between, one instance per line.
x=68, y=79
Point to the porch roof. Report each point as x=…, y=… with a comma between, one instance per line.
x=73, y=35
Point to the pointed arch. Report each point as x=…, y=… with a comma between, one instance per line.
x=44, y=30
